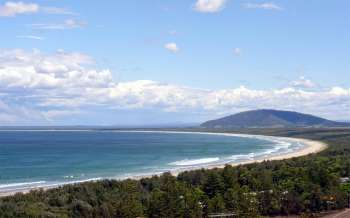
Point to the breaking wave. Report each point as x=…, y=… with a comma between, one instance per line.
x=193, y=162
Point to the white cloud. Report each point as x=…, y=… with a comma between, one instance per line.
x=339, y=91
x=46, y=87
x=71, y=23
x=266, y=6
x=66, y=24
x=30, y=37
x=171, y=46
x=209, y=6
x=10, y=9
x=14, y=114
x=55, y=10
x=23, y=70
x=51, y=115
x=237, y=51
x=302, y=82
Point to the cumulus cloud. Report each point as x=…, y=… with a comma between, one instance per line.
x=12, y=114
x=46, y=87
x=23, y=70
x=11, y=9
x=303, y=82
x=171, y=46
x=209, y=6
x=265, y=5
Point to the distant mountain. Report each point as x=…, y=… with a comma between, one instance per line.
x=343, y=121
x=271, y=119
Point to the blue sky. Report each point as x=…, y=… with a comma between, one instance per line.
x=181, y=61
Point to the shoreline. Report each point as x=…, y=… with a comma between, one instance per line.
x=309, y=147
x=312, y=147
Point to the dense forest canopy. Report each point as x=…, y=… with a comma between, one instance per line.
x=302, y=185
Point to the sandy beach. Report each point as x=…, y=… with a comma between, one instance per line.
x=309, y=147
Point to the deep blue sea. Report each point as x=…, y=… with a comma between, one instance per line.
x=44, y=158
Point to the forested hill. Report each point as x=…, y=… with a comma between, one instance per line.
x=271, y=119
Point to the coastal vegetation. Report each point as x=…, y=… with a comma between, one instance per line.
x=302, y=185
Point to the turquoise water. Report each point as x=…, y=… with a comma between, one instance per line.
x=44, y=158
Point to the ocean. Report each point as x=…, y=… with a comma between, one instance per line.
x=35, y=158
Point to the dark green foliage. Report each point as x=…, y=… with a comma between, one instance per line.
x=303, y=186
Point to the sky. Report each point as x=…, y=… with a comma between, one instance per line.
x=147, y=62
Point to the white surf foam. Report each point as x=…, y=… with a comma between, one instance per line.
x=188, y=162
x=13, y=187
x=238, y=157
x=21, y=184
